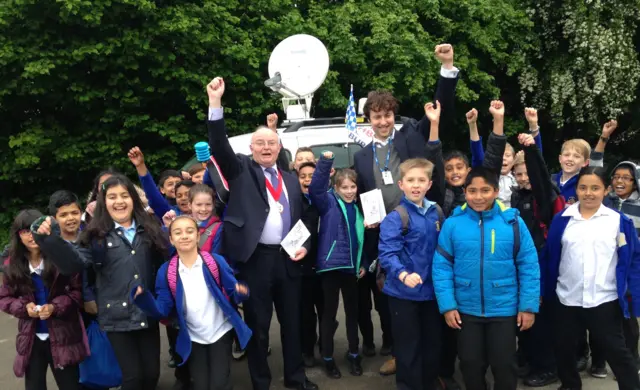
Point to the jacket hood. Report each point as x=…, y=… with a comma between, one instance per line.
x=635, y=170
x=508, y=214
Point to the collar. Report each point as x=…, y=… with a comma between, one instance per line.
x=379, y=143
x=183, y=268
x=38, y=270
x=130, y=228
x=497, y=207
x=573, y=211
x=422, y=210
x=274, y=166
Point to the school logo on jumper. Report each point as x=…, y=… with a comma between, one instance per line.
x=437, y=226
x=571, y=201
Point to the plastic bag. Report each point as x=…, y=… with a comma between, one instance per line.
x=101, y=369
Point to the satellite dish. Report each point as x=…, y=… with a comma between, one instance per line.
x=297, y=68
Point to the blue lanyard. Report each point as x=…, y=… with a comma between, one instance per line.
x=375, y=155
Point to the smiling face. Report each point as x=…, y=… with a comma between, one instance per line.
x=182, y=199
x=68, y=217
x=455, y=172
x=590, y=191
x=522, y=177
x=184, y=235
x=27, y=240
x=265, y=147
x=623, y=182
x=571, y=161
x=382, y=123
x=198, y=177
x=303, y=157
x=202, y=207
x=304, y=177
x=415, y=183
x=119, y=204
x=480, y=195
x=507, y=161
x=347, y=190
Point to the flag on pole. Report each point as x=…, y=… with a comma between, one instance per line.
x=351, y=121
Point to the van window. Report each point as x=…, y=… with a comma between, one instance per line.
x=343, y=153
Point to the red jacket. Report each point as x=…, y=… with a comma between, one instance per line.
x=69, y=344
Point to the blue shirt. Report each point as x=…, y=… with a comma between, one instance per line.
x=129, y=233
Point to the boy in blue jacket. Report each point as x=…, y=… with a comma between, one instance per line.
x=487, y=280
x=408, y=240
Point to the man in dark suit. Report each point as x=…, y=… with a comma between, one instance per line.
x=377, y=166
x=264, y=203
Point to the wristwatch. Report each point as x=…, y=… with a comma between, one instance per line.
x=537, y=129
x=604, y=139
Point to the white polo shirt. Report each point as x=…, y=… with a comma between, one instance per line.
x=206, y=322
x=589, y=257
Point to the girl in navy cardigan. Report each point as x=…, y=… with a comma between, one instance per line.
x=199, y=288
x=590, y=264
x=339, y=252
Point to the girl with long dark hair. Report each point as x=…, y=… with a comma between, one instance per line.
x=93, y=195
x=125, y=246
x=46, y=303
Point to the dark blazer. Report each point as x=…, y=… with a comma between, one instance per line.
x=248, y=205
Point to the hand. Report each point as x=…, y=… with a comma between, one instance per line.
x=472, y=116
x=444, y=54
x=412, y=280
x=242, y=289
x=139, y=291
x=333, y=172
x=300, y=254
x=215, y=90
x=372, y=226
x=91, y=206
x=91, y=307
x=497, y=109
x=362, y=273
x=45, y=227
x=328, y=155
x=609, y=128
x=31, y=310
x=46, y=311
x=526, y=140
x=272, y=122
x=168, y=217
x=185, y=175
x=432, y=111
x=453, y=319
x=526, y=320
x=532, y=117
x=136, y=156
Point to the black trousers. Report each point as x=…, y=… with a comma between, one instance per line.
x=211, y=364
x=332, y=283
x=181, y=373
x=266, y=275
x=536, y=343
x=417, y=330
x=449, y=350
x=604, y=323
x=484, y=342
x=312, y=308
x=138, y=354
x=631, y=334
x=40, y=360
x=366, y=287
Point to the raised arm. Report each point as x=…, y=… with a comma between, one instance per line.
x=434, y=153
x=66, y=256
x=475, y=141
x=538, y=173
x=221, y=150
x=320, y=183
x=157, y=202
x=597, y=155
x=531, y=114
x=283, y=160
x=497, y=141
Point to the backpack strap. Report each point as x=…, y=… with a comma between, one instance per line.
x=212, y=266
x=211, y=230
x=172, y=275
x=404, y=218
x=441, y=216
x=516, y=238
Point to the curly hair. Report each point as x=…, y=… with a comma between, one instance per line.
x=380, y=101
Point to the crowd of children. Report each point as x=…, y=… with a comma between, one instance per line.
x=492, y=261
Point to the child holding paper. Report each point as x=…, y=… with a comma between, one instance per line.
x=339, y=257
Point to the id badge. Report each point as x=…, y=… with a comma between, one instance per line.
x=387, y=179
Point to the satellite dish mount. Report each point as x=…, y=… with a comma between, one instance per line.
x=297, y=68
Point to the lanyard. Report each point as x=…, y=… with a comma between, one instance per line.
x=375, y=155
x=277, y=191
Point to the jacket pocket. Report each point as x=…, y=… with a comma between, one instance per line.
x=506, y=282
x=505, y=292
x=114, y=310
x=234, y=221
x=330, y=250
x=462, y=282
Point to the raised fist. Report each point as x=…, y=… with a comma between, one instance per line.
x=45, y=227
x=609, y=128
x=215, y=89
x=497, y=109
x=532, y=116
x=432, y=111
x=526, y=140
x=327, y=154
x=444, y=54
x=136, y=157
x=272, y=121
x=472, y=116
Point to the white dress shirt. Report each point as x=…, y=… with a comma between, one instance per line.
x=272, y=232
x=206, y=322
x=38, y=270
x=587, y=276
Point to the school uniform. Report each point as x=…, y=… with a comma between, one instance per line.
x=416, y=322
x=478, y=274
x=589, y=266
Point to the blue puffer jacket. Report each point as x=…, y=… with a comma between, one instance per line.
x=474, y=270
x=334, y=244
x=412, y=252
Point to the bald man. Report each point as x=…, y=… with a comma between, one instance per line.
x=264, y=203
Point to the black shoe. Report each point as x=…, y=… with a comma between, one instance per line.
x=309, y=360
x=386, y=350
x=523, y=371
x=582, y=362
x=369, y=350
x=598, y=371
x=541, y=379
x=306, y=385
x=448, y=383
x=355, y=364
x=331, y=369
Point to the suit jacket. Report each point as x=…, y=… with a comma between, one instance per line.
x=248, y=205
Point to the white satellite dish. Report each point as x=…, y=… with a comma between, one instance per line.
x=297, y=68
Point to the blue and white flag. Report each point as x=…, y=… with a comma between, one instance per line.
x=358, y=135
